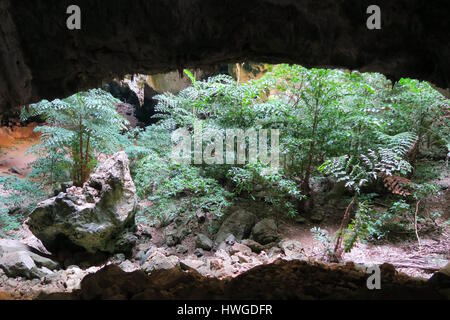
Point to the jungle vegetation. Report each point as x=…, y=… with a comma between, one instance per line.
x=356, y=130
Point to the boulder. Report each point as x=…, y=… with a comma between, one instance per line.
x=191, y=264
x=203, y=242
x=253, y=245
x=19, y=264
x=93, y=217
x=16, y=170
x=441, y=280
x=239, y=247
x=239, y=223
x=175, y=235
x=18, y=260
x=7, y=246
x=265, y=231
x=43, y=262
x=158, y=261
x=128, y=266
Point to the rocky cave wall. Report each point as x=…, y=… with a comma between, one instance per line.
x=41, y=58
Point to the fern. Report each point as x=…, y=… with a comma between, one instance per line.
x=78, y=128
x=388, y=159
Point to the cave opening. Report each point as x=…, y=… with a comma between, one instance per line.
x=325, y=161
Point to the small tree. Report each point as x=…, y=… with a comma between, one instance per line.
x=77, y=129
x=418, y=107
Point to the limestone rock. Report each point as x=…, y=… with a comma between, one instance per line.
x=203, y=242
x=199, y=253
x=239, y=223
x=240, y=248
x=253, y=245
x=181, y=249
x=201, y=216
x=128, y=266
x=265, y=231
x=7, y=245
x=191, y=264
x=19, y=264
x=159, y=261
x=43, y=262
x=18, y=260
x=93, y=217
x=292, y=249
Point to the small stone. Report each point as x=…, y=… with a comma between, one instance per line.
x=242, y=258
x=181, y=249
x=172, y=238
x=15, y=170
x=201, y=216
x=274, y=252
x=199, y=253
x=119, y=258
x=127, y=266
x=238, y=247
x=292, y=249
x=230, y=239
x=255, y=246
x=215, y=264
x=191, y=264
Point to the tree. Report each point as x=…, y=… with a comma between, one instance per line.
x=417, y=106
x=77, y=129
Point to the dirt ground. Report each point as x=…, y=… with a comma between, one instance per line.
x=13, y=150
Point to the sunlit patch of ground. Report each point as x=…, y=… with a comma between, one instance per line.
x=14, y=144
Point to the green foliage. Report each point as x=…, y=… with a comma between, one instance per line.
x=278, y=191
x=322, y=236
x=417, y=106
x=373, y=225
x=353, y=126
x=388, y=159
x=18, y=197
x=164, y=183
x=77, y=129
x=360, y=227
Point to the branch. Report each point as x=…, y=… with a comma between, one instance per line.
x=415, y=223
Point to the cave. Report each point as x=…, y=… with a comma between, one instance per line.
x=153, y=57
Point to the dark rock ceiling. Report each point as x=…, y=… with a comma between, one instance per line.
x=41, y=58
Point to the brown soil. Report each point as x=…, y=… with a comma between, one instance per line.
x=14, y=144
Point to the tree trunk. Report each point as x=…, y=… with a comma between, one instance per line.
x=338, y=250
